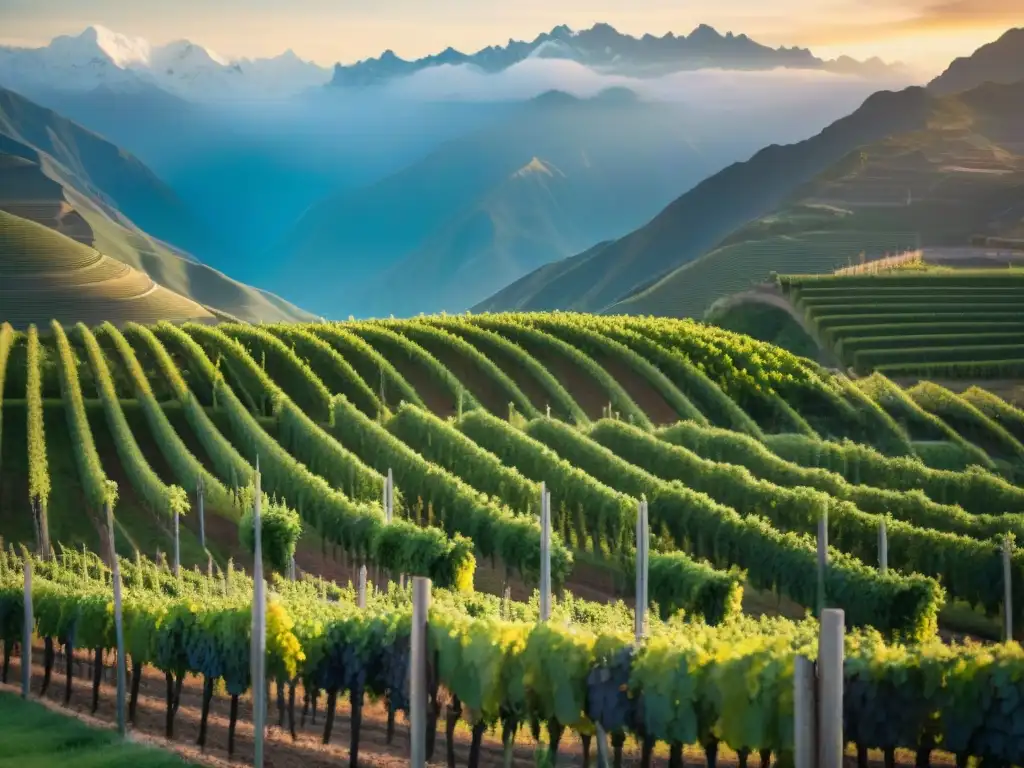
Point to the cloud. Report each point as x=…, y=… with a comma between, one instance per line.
x=534, y=76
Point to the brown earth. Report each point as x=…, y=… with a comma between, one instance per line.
x=307, y=750
x=528, y=384
x=433, y=394
x=487, y=393
x=586, y=391
x=643, y=393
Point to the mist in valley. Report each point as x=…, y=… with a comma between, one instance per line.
x=255, y=169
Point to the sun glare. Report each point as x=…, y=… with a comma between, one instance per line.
x=928, y=50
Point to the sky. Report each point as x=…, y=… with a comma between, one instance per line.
x=926, y=34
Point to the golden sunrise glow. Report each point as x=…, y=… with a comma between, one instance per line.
x=927, y=33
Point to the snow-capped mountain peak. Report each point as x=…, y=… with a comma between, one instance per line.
x=121, y=50
x=185, y=51
x=101, y=58
x=600, y=47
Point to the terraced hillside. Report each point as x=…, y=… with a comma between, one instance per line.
x=45, y=274
x=953, y=324
x=690, y=290
x=738, y=446
x=56, y=173
x=907, y=170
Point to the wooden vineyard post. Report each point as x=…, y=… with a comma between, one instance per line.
x=122, y=672
x=602, y=747
x=545, y=553
x=384, y=504
x=292, y=573
x=387, y=516
x=638, y=607
x=418, y=673
x=177, y=544
x=883, y=548
x=258, y=649
x=639, y=611
x=822, y=559
x=26, y=640
x=1007, y=590
x=830, y=689
x=643, y=540
x=805, y=737
x=202, y=518
x=43, y=528
x=361, y=587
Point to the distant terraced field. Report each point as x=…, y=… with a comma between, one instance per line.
x=44, y=274
x=961, y=324
x=690, y=290
x=43, y=193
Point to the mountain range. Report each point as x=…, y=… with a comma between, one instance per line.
x=604, y=48
x=56, y=173
x=101, y=58
x=554, y=176
x=1001, y=61
x=936, y=165
x=526, y=208
x=955, y=179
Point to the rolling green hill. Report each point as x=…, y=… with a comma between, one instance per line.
x=737, y=481
x=765, y=316
x=80, y=185
x=738, y=447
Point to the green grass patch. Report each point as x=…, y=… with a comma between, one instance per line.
x=764, y=322
x=32, y=736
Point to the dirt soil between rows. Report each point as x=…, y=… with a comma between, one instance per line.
x=588, y=393
x=528, y=383
x=642, y=392
x=487, y=392
x=433, y=394
x=308, y=749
